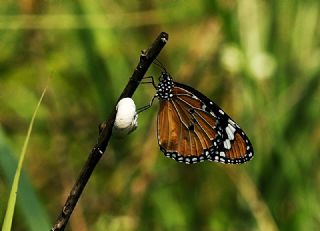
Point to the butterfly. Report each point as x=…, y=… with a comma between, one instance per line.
x=191, y=128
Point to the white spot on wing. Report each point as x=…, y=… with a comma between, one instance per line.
x=227, y=144
x=231, y=122
x=221, y=112
x=230, y=132
x=231, y=127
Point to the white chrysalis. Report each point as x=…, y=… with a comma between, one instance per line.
x=126, y=119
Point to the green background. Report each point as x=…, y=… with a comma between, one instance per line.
x=259, y=60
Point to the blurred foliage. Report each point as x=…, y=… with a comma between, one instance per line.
x=258, y=59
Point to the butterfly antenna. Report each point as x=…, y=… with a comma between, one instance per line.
x=160, y=65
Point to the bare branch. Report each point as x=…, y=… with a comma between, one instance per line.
x=146, y=59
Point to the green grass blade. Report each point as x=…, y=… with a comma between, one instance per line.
x=35, y=219
x=7, y=223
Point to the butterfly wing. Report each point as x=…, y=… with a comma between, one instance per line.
x=192, y=128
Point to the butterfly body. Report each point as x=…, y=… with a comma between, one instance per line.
x=192, y=128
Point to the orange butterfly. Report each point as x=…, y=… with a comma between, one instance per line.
x=192, y=128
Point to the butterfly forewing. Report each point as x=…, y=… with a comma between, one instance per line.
x=192, y=128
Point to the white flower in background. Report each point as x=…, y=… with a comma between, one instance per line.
x=232, y=59
x=262, y=65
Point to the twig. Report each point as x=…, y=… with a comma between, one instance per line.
x=146, y=59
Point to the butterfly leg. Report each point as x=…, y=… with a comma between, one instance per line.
x=146, y=107
x=149, y=79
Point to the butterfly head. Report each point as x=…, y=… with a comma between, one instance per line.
x=164, y=88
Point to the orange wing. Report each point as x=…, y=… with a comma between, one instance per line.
x=179, y=132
